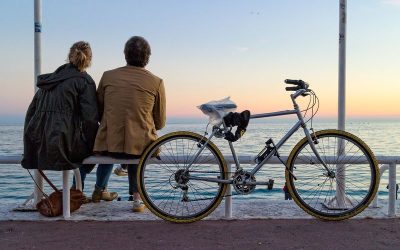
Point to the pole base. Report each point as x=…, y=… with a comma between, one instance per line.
x=333, y=204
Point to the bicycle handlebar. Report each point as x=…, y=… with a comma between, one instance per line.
x=295, y=82
x=299, y=83
x=292, y=88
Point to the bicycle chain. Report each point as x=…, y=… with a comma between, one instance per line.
x=214, y=172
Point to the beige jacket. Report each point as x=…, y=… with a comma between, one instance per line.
x=132, y=108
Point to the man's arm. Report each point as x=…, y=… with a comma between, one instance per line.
x=159, y=112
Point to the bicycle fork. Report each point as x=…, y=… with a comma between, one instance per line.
x=309, y=139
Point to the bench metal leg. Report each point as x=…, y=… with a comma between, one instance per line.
x=66, y=195
x=78, y=180
x=37, y=193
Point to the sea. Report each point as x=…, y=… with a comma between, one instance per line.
x=382, y=136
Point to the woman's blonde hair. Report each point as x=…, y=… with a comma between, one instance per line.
x=80, y=55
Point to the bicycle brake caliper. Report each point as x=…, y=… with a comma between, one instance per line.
x=313, y=136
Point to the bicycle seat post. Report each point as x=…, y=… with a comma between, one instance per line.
x=235, y=158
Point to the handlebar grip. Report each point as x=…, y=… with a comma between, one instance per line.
x=289, y=81
x=292, y=88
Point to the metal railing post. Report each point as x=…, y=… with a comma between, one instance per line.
x=392, y=190
x=382, y=169
x=228, y=198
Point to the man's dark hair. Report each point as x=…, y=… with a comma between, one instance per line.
x=137, y=51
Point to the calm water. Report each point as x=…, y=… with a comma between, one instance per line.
x=383, y=137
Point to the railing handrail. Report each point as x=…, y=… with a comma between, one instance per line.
x=243, y=159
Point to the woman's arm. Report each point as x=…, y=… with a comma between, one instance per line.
x=89, y=112
x=31, y=110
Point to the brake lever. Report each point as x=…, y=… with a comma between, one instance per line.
x=306, y=93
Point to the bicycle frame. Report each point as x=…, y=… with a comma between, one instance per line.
x=300, y=123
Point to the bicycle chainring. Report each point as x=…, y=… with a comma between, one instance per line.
x=241, y=180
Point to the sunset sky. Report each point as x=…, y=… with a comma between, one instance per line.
x=207, y=50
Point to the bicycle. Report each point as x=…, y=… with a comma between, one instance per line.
x=330, y=174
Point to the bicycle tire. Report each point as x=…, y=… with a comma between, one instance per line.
x=163, y=199
x=352, y=187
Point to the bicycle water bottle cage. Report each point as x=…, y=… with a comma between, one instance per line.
x=241, y=120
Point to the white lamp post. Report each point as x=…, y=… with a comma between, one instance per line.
x=38, y=64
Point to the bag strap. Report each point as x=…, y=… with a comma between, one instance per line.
x=37, y=184
x=48, y=181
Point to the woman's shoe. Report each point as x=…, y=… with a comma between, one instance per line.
x=86, y=199
x=120, y=171
x=138, y=206
x=103, y=194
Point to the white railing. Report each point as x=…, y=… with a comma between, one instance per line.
x=388, y=162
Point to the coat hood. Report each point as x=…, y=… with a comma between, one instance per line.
x=66, y=71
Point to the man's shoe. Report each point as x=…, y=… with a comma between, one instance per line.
x=120, y=171
x=103, y=194
x=138, y=206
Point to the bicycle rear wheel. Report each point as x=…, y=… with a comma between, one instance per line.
x=343, y=194
x=168, y=190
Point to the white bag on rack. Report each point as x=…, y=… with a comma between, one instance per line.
x=216, y=110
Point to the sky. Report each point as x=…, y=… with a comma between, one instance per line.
x=208, y=50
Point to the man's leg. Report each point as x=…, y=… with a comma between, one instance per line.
x=133, y=188
x=132, y=172
x=100, y=192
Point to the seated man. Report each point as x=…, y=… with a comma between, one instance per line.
x=132, y=108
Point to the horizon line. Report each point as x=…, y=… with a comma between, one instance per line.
x=19, y=118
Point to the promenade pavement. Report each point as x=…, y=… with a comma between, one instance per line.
x=207, y=234
x=256, y=224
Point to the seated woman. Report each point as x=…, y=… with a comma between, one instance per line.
x=62, y=120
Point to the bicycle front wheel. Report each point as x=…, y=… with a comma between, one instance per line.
x=344, y=191
x=168, y=185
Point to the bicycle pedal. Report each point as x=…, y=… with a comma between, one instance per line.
x=270, y=184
